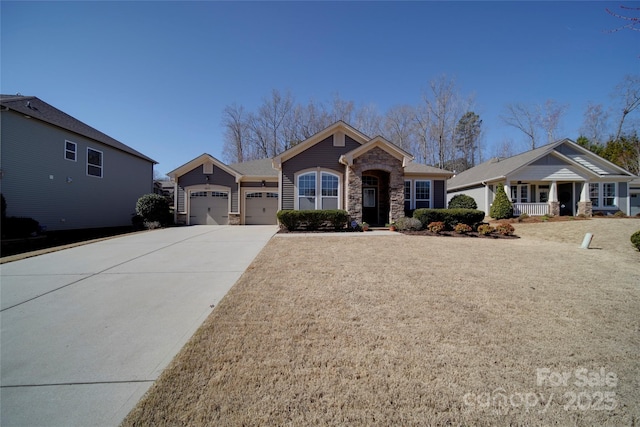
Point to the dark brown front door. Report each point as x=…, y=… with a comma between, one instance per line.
x=565, y=197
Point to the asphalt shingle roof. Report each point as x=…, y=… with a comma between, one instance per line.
x=36, y=108
x=260, y=167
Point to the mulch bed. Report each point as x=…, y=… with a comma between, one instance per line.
x=454, y=234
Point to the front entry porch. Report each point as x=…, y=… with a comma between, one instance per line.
x=549, y=198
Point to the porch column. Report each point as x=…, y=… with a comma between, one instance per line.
x=507, y=189
x=554, y=205
x=585, y=206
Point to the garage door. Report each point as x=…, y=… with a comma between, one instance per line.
x=635, y=205
x=209, y=208
x=261, y=208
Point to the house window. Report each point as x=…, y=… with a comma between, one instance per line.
x=543, y=193
x=520, y=193
x=307, y=191
x=603, y=194
x=609, y=194
x=329, y=191
x=407, y=195
x=423, y=194
x=70, y=150
x=369, y=181
x=594, y=194
x=318, y=190
x=94, y=162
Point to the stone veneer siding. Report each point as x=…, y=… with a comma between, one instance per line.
x=376, y=159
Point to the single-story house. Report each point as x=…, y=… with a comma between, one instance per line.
x=561, y=178
x=338, y=168
x=65, y=174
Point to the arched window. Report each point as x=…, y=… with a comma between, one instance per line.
x=318, y=190
x=307, y=191
x=329, y=191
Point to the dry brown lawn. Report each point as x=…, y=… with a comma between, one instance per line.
x=364, y=330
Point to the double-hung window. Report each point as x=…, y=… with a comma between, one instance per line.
x=94, y=162
x=520, y=193
x=407, y=195
x=423, y=194
x=594, y=194
x=329, y=191
x=318, y=190
x=70, y=151
x=307, y=191
x=603, y=194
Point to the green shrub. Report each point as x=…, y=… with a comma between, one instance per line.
x=635, y=239
x=14, y=227
x=485, y=229
x=619, y=214
x=331, y=219
x=462, y=229
x=405, y=224
x=502, y=208
x=462, y=201
x=505, y=229
x=523, y=216
x=450, y=217
x=154, y=207
x=436, y=227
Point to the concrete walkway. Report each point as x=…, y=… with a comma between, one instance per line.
x=87, y=330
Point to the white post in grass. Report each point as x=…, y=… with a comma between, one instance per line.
x=586, y=241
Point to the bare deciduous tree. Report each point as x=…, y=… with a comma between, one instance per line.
x=631, y=22
x=594, y=126
x=628, y=95
x=399, y=126
x=525, y=119
x=549, y=118
x=235, y=135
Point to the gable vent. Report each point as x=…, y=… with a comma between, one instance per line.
x=338, y=139
x=207, y=168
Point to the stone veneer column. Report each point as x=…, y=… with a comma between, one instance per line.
x=376, y=159
x=585, y=208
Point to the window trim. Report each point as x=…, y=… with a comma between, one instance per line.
x=74, y=151
x=410, y=199
x=518, y=190
x=317, y=172
x=101, y=166
x=415, y=193
x=600, y=196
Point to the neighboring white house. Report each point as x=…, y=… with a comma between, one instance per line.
x=561, y=178
x=64, y=173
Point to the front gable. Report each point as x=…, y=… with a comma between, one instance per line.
x=379, y=144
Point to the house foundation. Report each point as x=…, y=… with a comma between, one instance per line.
x=585, y=208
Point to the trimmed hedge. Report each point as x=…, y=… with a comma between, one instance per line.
x=330, y=219
x=450, y=217
x=154, y=208
x=462, y=201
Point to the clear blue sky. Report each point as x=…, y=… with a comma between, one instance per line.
x=157, y=75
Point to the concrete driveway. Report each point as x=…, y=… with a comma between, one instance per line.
x=87, y=330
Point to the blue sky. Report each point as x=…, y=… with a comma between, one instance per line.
x=157, y=75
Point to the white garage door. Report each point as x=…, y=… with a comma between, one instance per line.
x=209, y=208
x=261, y=208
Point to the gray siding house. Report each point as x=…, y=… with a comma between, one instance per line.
x=561, y=178
x=337, y=168
x=64, y=173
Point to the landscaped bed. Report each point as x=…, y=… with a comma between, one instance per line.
x=405, y=330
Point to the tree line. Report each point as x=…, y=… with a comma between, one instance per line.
x=442, y=130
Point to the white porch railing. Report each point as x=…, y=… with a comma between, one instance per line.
x=533, y=209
